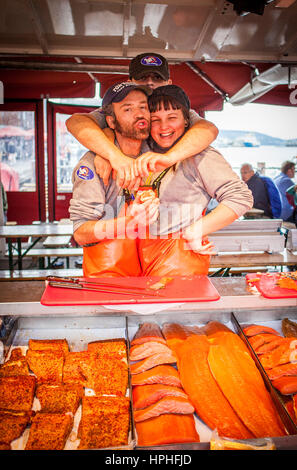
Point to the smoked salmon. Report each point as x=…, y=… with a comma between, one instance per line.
x=163, y=374
x=141, y=351
x=152, y=361
x=213, y=328
x=284, y=370
x=286, y=385
x=251, y=330
x=176, y=333
x=241, y=383
x=167, y=429
x=282, y=354
x=146, y=395
x=203, y=391
x=148, y=331
x=176, y=405
x=257, y=341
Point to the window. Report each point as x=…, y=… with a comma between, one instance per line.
x=17, y=150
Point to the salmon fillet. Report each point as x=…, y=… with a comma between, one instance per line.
x=176, y=333
x=152, y=361
x=283, y=370
x=257, y=341
x=286, y=385
x=17, y=393
x=47, y=365
x=49, y=431
x=110, y=347
x=163, y=374
x=167, y=429
x=251, y=330
x=176, y=405
x=148, y=331
x=239, y=379
x=12, y=424
x=213, y=328
x=198, y=382
x=49, y=344
x=141, y=351
x=146, y=395
x=282, y=354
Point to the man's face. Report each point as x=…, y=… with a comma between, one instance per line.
x=246, y=174
x=291, y=172
x=132, y=116
x=152, y=80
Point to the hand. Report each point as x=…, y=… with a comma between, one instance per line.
x=196, y=241
x=125, y=175
x=143, y=213
x=103, y=168
x=150, y=162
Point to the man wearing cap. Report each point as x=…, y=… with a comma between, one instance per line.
x=101, y=225
x=152, y=70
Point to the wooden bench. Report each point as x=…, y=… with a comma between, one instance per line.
x=38, y=274
x=56, y=253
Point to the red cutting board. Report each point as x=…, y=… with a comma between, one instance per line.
x=180, y=289
x=267, y=286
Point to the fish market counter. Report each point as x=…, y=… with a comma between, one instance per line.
x=125, y=358
x=23, y=298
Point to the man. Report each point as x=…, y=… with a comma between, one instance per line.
x=95, y=209
x=152, y=70
x=283, y=182
x=258, y=188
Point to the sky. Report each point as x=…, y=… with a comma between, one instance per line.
x=276, y=121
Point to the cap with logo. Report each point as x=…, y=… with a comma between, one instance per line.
x=119, y=91
x=149, y=63
x=175, y=92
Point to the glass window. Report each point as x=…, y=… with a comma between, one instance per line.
x=17, y=150
x=68, y=151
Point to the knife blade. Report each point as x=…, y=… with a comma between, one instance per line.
x=68, y=285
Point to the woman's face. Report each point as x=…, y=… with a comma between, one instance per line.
x=167, y=126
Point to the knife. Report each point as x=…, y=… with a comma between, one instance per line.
x=102, y=288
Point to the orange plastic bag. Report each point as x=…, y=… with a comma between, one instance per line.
x=170, y=257
x=112, y=258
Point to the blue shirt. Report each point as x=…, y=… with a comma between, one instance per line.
x=283, y=182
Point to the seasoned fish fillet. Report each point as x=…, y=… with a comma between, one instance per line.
x=106, y=376
x=46, y=365
x=104, y=422
x=74, y=364
x=109, y=347
x=15, y=365
x=49, y=431
x=13, y=424
x=60, y=398
x=17, y=393
x=49, y=344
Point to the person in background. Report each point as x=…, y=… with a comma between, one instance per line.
x=4, y=203
x=284, y=181
x=258, y=188
x=152, y=70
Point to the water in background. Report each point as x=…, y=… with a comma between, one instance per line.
x=271, y=156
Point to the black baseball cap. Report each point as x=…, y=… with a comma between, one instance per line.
x=119, y=91
x=173, y=91
x=149, y=62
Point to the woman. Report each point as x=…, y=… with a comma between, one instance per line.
x=174, y=245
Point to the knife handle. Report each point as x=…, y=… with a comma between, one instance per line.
x=69, y=280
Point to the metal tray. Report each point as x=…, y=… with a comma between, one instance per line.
x=78, y=331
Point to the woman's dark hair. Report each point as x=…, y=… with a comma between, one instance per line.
x=158, y=102
x=286, y=166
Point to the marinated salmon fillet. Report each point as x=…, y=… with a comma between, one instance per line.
x=167, y=429
x=110, y=347
x=176, y=333
x=17, y=393
x=146, y=395
x=49, y=431
x=49, y=344
x=163, y=374
x=286, y=385
x=152, y=361
x=12, y=424
x=203, y=391
x=169, y=404
x=141, y=351
x=251, y=330
x=148, y=331
x=47, y=365
x=259, y=340
x=284, y=353
x=239, y=379
x=283, y=370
